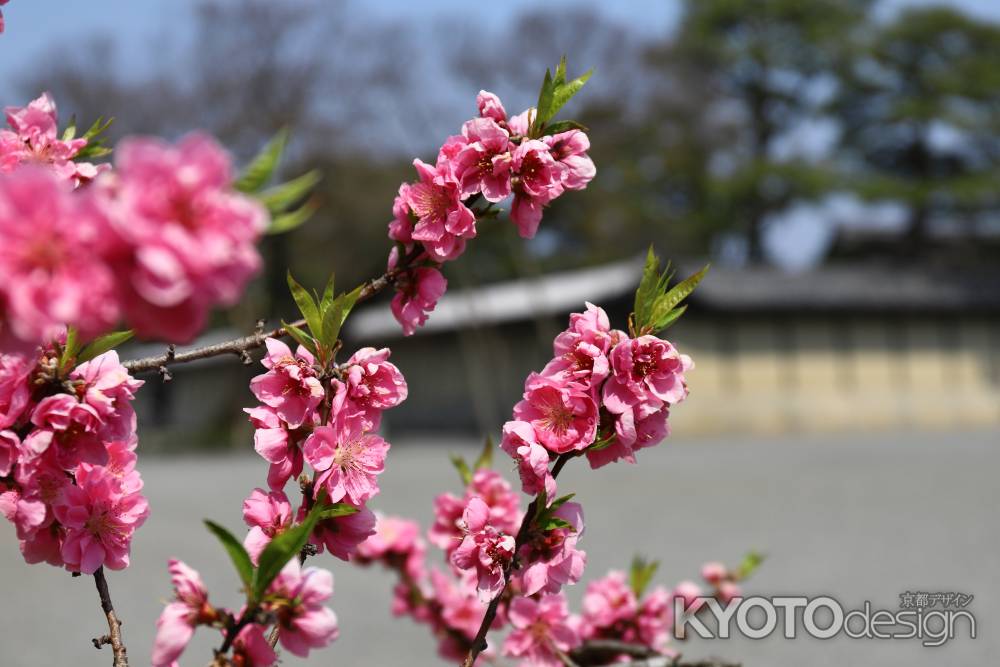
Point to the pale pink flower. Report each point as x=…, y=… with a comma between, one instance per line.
x=121, y=464
x=562, y=413
x=541, y=631
x=51, y=273
x=342, y=535
x=374, y=383
x=484, y=164
x=251, y=648
x=461, y=608
x=691, y=593
x=499, y=496
x=532, y=459
x=10, y=446
x=521, y=123
x=401, y=225
x=550, y=559
x=15, y=392
x=581, y=351
x=347, y=458
x=393, y=536
x=728, y=591
x=72, y=428
x=188, y=609
x=99, y=519
x=484, y=549
x=304, y=622
x=417, y=293
x=267, y=514
x=490, y=106
x=34, y=139
x=538, y=181
x=446, y=531
x=654, y=620
x=444, y=223
x=109, y=389
x=570, y=149
x=290, y=385
x=186, y=239
x=609, y=600
x=714, y=572
x=273, y=441
x=646, y=371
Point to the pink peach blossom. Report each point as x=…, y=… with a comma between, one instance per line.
x=646, y=371
x=538, y=181
x=562, y=413
x=251, y=648
x=304, y=622
x=490, y=106
x=549, y=560
x=108, y=388
x=714, y=572
x=444, y=222
x=177, y=622
x=541, y=631
x=446, y=532
x=484, y=548
x=483, y=165
x=273, y=441
x=401, y=225
x=72, y=428
x=570, y=149
x=532, y=459
x=290, y=385
x=10, y=446
x=374, y=383
x=343, y=535
x=267, y=514
x=609, y=600
x=15, y=392
x=347, y=458
x=417, y=293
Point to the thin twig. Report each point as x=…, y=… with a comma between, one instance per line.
x=597, y=652
x=479, y=643
x=240, y=347
x=114, y=636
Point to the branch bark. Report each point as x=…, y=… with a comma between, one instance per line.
x=605, y=651
x=114, y=636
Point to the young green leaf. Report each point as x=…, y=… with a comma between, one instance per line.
x=564, y=126
x=307, y=306
x=641, y=574
x=749, y=564
x=237, y=553
x=281, y=549
x=682, y=290
x=281, y=197
x=328, y=295
x=262, y=167
x=102, y=344
x=300, y=337
x=464, y=472
x=337, y=509
x=336, y=314
x=70, y=349
x=70, y=132
x=553, y=522
x=545, y=97
x=485, y=459
x=286, y=222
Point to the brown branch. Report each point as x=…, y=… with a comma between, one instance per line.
x=597, y=652
x=114, y=636
x=241, y=346
x=479, y=643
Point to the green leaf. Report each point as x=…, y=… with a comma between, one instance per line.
x=749, y=564
x=554, y=95
x=102, y=344
x=95, y=143
x=279, y=198
x=672, y=317
x=336, y=314
x=641, y=574
x=564, y=126
x=328, y=294
x=286, y=222
x=553, y=522
x=307, y=306
x=464, y=472
x=681, y=290
x=485, y=459
x=545, y=97
x=281, y=549
x=70, y=349
x=651, y=286
x=565, y=93
x=337, y=509
x=97, y=128
x=70, y=132
x=300, y=337
x=262, y=167
x=559, y=502
x=237, y=553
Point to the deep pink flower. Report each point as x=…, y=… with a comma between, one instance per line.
x=541, y=631
x=51, y=273
x=393, y=535
x=484, y=164
x=99, y=519
x=290, y=385
x=532, y=459
x=417, y=293
x=647, y=371
x=10, y=446
x=342, y=535
x=484, y=549
x=609, y=600
x=177, y=621
x=446, y=531
x=631, y=435
x=273, y=441
x=654, y=620
x=521, y=123
x=496, y=492
x=690, y=592
x=490, y=106
x=562, y=413
x=581, y=351
x=304, y=622
x=550, y=559
x=538, y=181
x=444, y=223
x=374, y=383
x=108, y=388
x=15, y=391
x=72, y=428
x=267, y=514
x=347, y=458
x=461, y=608
x=251, y=648
x=401, y=225
x=34, y=139
x=570, y=149
x=186, y=239
x=728, y=591
x=714, y=572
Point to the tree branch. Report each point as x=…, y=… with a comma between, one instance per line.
x=114, y=636
x=479, y=643
x=241, y=346
x=606, y=652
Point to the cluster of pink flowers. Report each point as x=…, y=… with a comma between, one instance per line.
x=2, y=2
x=492, y=159
x=158, y=240
x=329, y=423
x=68, y=481
x=295, y=601
x=603, y=393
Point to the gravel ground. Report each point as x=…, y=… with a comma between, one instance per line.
x=862, y=517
